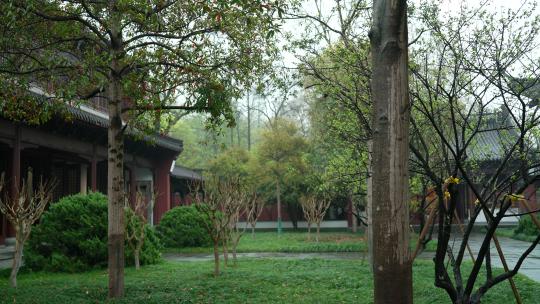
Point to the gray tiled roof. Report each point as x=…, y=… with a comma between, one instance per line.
x=494, y=139
x=186, y=173
x=160, y=140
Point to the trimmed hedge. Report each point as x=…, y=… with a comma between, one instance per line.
x=183, y=226
x=72, y=237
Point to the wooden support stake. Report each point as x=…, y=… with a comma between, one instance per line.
x=506, y=269
x=460, y=225
x=505, y=266
x=423, y=233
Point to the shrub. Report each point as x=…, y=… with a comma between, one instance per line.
x=72, y=237
x=183, y=226
x=526, y=226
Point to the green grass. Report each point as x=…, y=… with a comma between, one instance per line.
x=297, y=242
x=252, y=281
x=510, y=233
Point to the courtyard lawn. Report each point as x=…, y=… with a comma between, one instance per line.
x=252, y=281
x=298, y=242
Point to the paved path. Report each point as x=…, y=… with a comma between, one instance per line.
x=263, y=255
x=511, y=248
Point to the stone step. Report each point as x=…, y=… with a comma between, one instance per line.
x=6, y=252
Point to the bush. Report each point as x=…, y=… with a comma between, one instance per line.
x=183, y=226
x=72, y=237
x=526, y=227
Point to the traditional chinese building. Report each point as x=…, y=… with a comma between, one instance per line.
x=74, y=153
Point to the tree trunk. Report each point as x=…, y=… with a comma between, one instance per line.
x=392, y=268
x=115, y=177
x=17, y=259
x=278, y=196
x=248, y=123
x=318, y=232
x=225, y=253
x=216, y=258
x=137, y=260
x=309, y=232
x=234, y=256
x=369, y=197
x=253, y=231
x=238, y=140
x=292, y=211
x=353, y=211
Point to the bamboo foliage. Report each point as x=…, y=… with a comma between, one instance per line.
x=23, y=208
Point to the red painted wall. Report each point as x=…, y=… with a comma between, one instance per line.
x=162, y=183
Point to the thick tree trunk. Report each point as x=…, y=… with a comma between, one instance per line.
x=392, y=268
x=216, y=258
x=115, y=188
x=248, y=123
x=115, y=177
x=369, y=197
x=17, y=259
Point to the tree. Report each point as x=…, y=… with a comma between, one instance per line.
x=136, y=225
x=314, y=211
x=253, y=211
x=140, y=56
x=23, y=210
x=280, y=154
x=336, y=78
x=392, y=267
x=219, y=199
x=464, y=92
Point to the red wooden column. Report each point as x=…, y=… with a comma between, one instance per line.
x=93, y=170
x=15, y=172
x=162, y=184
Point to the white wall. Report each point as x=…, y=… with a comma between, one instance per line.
x=301, y=224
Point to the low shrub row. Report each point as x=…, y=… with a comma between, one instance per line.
x=72, y=235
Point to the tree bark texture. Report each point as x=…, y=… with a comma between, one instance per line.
x=115, y=187
x=225, y=252
x=392, y=267
x=137, y=260
x=17, y=259
x=369, y=197
x=216, y=258
x=115, y=177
